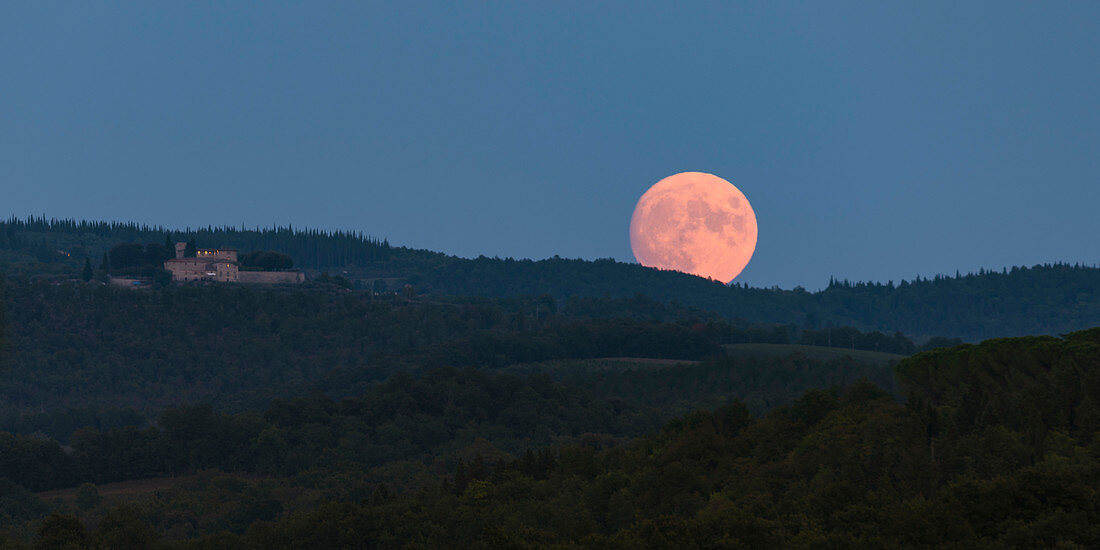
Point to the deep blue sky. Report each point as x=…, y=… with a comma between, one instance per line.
x=875, y=141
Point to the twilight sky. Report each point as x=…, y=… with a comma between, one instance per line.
x=874, y=141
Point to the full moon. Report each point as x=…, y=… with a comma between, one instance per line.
x=696, y=223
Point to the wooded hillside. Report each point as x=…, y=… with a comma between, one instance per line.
x=1044, y=299
x=981, y=455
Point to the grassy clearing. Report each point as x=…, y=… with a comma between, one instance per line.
x=647, y=361
x=813, y=352
x=560, y=367
x=121, y=490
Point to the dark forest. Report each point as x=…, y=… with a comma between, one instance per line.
x=403, y=398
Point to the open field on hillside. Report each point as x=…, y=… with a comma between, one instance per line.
x=122, y=490
x=583, y=366
x=813, y=352
x=647, y=361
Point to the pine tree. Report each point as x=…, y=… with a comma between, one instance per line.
x=87, y=275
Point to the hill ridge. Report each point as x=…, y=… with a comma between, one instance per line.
x=1052, y=298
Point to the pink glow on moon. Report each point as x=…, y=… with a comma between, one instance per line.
x=696, y=223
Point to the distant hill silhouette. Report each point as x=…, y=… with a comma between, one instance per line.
x=1043, y=299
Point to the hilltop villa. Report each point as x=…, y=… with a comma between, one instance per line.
x=220, y=265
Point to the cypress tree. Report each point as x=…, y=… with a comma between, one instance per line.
x=3, y=343
x=105, y=265
x=192, y=250
x=87, y=275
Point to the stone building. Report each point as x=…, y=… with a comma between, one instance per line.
x=220, y=265
x=209, y=264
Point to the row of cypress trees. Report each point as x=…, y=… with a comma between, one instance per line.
x=310, y=248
